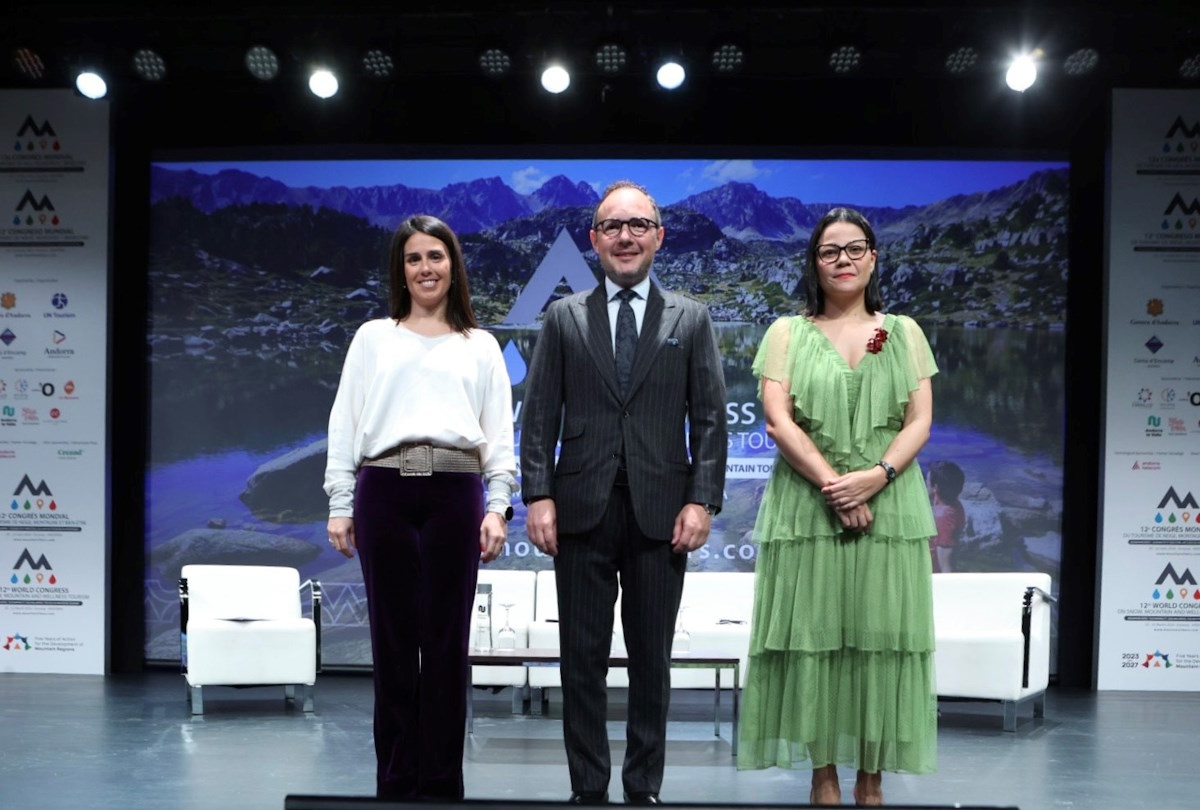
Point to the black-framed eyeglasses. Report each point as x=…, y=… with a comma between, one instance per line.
x=638, y=226
x=828, y=253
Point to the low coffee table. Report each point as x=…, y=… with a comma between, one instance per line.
x=530, y=657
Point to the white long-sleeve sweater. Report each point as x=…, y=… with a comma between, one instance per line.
x=397, y=386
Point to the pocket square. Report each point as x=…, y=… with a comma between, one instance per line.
x=673, y=342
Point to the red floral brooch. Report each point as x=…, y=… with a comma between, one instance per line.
x=877, y=341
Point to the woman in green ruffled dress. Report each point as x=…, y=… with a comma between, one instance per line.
x=841, y=648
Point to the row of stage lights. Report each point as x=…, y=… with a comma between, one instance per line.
x=263, y=64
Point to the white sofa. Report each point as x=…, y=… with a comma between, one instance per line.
x=543, y=635
x=715, y=611
x=992, y=633
x=516, y=588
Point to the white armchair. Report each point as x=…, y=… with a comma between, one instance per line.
x=242, y=625
x=992, y=637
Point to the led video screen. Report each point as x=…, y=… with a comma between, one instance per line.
x=261, y=270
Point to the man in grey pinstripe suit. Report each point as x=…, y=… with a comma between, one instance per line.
x=640, y=474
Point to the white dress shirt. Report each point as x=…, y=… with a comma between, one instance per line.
x=638, y=302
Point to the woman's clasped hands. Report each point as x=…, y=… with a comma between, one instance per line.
x=848, y=495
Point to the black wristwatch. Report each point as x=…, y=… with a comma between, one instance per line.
x=506, y=514
x=888, y=470
x=712, y=510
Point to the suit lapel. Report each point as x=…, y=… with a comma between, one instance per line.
x=657, y=325
x=592, y=316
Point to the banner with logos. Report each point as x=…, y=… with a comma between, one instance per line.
x=1149, y=592
x=53, y=337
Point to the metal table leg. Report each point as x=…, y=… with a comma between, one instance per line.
x=717, y=702
x=737, y=685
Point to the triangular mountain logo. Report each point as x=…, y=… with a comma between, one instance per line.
x=563, y=263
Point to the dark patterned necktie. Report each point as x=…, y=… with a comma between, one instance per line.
x=627, y=336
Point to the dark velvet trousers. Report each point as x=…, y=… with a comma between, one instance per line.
x=587, y=570
x=418, y=543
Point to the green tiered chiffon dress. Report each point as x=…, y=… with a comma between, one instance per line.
x=841, y=646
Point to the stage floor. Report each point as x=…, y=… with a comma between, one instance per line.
x=130, y=743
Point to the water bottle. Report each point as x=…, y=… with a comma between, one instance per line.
x=483, y=617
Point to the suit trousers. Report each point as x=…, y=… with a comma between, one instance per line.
x=418, y=543
x=587, y=569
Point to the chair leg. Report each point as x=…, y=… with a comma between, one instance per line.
x=518, y=700
x=196, y=699
x=289, y=693
x=1039, y=705
x=1010, y=715
x=307, y=691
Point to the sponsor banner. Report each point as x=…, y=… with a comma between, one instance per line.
x=1149, y=600
x=53, y=358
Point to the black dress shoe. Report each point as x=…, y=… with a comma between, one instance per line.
x=642, y=797
x=588, y=797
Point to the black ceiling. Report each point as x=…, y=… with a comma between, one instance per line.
x=1138, y=43
x=901, y=81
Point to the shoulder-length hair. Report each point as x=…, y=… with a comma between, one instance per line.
x=459, y=314
x=814, y=303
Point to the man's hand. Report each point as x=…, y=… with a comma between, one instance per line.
x=691, y=528
x=541, y=524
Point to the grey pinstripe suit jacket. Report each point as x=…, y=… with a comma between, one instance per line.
x=676, y=403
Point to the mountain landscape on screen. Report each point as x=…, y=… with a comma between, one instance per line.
x=991, y=259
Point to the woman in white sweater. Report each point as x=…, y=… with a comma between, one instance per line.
x=423, y=411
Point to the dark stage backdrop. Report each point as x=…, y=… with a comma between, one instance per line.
x=261, y=270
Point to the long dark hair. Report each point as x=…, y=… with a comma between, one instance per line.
x=459, y=314
x=814, y=303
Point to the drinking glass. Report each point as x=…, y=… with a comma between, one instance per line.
x=682, y=641
x=506, y=636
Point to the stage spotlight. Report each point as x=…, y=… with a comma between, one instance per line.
x=262, y=63
x=149, y=65
x=1082, y=62
x=323, y=83
x=1022, y=73
x=670, y=75
x=494, y=62
x=377, y=64
x=961, y=60
x=611, y=58
x=728, y=59
x=555, y=79
x=90, y=84
x=845, y=59
x=1190, y=67
x=29, y=63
